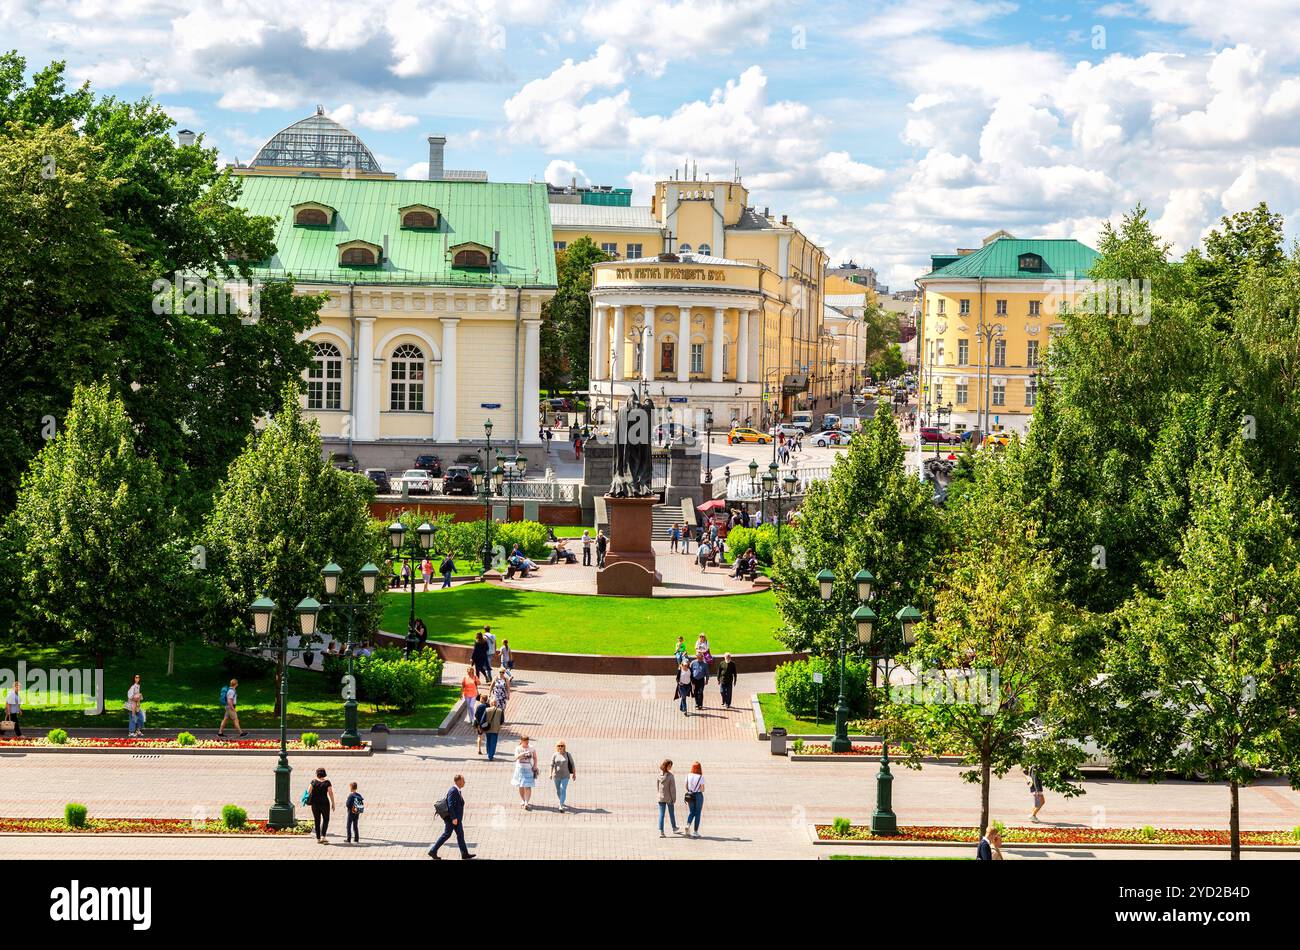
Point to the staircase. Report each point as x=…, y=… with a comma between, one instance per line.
x=665, y=516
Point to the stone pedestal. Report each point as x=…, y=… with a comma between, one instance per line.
x=630, y=561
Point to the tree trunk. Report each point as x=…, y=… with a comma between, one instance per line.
x=1234, y=821
x=985, y=769
x=171, y=657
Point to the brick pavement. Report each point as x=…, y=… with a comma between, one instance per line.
x=617, y=728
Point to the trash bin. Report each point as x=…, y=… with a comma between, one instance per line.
x=379, y=737
x=778, y=734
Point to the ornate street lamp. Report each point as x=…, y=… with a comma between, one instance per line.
x=263, y=609
x=412, y=550
x=330, y=573
x=863, y=619
x=883, y=820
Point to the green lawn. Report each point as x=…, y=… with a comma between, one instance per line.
x=567, y=623
x=775, y=714
x=191, y=696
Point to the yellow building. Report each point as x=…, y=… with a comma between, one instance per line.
x=710, y=303
x=987, y=318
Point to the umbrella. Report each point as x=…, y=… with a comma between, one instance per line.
x=717, y=504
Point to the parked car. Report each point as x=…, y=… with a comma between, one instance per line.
x=829, y=437
x=934, y=434
x=803, y=419
x=746, y=434
x=430, y=463
x=458, y=481
x=344, y=462
x=850, y=424
x=415, y=481
x=786, y=429
x=559, y=404
x=380, y=477
x=469, y=459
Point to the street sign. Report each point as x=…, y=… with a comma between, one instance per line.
x=817, y=677
x=489, y=405
x=677, y=398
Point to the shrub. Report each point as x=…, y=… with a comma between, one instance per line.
x=1002, y=829
x=75, y=815
x=896, y=730
x=841, y=826
x=1148, y=833
x=530, y=534
x=233, y=817
x=311, y=739
x=798, y=746
x=185, y=738
x=761, y=539
x=1295, y=832
x=800, y=695
x=56, y=737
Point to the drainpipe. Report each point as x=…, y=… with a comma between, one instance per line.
x=352, y=325
x=519, y=300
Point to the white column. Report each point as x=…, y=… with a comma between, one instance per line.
x=616, y=347
x=648, y=347
x=600, y=343
x=755, y=342
x=717, y=345
x=531, y=417
x=742, y=346
x=447, y=391
x=363, y=398
x=683, y=344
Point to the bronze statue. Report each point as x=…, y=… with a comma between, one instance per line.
x=633, y=467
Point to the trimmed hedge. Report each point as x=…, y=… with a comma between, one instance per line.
x=799, y=694
x=762, y=539
x=74, y=814
x=465, y=538
x=388, y=679
x=233, y=817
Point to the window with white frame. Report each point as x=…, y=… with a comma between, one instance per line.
x=406, y=379
x=1031, y=392
x=1001, y=307
x=1034, y=306
x=611, y=249
x=697, y=357
x=684, y=249
x=1031, y=353
x=999, y=394
x=963, y=393
x=633, y=251
x=963, y=352
x=325, y=378
x=561, y=245
x=942, y=303
x=999, y=352
x=706, y=250
x=964, y=307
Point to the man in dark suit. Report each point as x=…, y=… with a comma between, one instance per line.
x=990, y=846
x=453, y=820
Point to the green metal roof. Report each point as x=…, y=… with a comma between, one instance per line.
x=367, y=210
x=1001, y=259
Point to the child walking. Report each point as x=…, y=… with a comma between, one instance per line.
x=355, y=806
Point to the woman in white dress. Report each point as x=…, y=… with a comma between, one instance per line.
x=525, y=772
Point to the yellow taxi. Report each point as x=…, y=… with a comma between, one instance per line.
x=998, y=439
x=746, y=434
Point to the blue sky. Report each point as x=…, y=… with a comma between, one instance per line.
x=885, y=129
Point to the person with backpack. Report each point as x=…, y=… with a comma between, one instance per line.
x=562, y=771
x=480, y=720
x=492, y=721
x=228, y=700
x=135, y=710
x=674, y=537
x=320, y=795
x=354, y=806
x=446, y=569
x=451, y=809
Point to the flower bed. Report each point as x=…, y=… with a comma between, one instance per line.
x=1077, y=836
x=121, y=742
x=818, y=749
x=143, y=826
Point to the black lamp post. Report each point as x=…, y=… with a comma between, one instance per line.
x=263, y=608
x=708, y=446
x=864, y=617
x=412, y=550
x=882, y=645
x=488, y=485
x=331, y=573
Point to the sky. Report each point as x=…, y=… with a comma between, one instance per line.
x=886, y=130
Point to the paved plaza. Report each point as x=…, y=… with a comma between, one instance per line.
x=617, y=729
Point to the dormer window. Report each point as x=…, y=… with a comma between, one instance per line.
x=419, y=217
x=471, y=256
x=1030, y=262
x=360, y=254
x=312, y=214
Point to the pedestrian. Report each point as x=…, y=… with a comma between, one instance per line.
x=500, y=691
x=990, y=846
x=682, y=686
x=780, y=439
x=703, y=555
x=354, y=806
x=491, y=639
x=679, y=654
x=229, y=708
x=426, y=572
x=451, y=809
x=446, y=569
x=577, y=447
x=406, y=574
x=694, y=798
x=702, y=648
x=686, y=539
x=562, y=772
x=469, y=690
x=667, y=786
x=135, y=710
x=1035, y=792
x=321, y=797
x=479, y=658
x=526, y=770
x=586, y=548
x=421, y=633
x=674, y=536
x=507, y=660
x=14, y=709
x=480, y=723
x=602, y=544
x=699, y=678
x=492, y=727
x=727, y=679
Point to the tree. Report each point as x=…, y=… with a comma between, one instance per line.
x=993, y=665
x=1205, y=677
x=1245, y=243
x=103, y=562
x=566, y=318
x=869, y=514
x=890, y=364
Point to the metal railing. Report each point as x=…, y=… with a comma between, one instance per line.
x=741, y=487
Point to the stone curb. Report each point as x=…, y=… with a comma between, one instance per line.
x=145, y=750
x=453, y=717
x=867, y=758
x=760, y=727
x=1041, y=845
x=145, y=834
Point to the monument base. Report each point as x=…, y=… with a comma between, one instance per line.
x=630, y=561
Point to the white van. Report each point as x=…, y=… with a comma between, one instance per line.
x=804, y=420
x=850, y=424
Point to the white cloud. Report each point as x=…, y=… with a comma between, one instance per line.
x=385, y=119
x=561, y=172
x=912, y=17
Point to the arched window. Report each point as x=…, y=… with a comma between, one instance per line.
x=418, y=219
x=406, y=379
x=357, y=255
x=470, y=258
x=314, y=217
x=325, y=378
x=705, y=250
x=684, y=249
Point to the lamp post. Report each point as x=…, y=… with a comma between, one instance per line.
x=883, y=820
x=753, y=481
x=708, y=446
x=331, y=573
x=515, y=467
x=410, y=549
x=863, y=617
x=263, y=609
x=488, y=484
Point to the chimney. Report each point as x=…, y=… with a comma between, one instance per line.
x=385, y=257
x=785, y=220
x=436, y=145
x=184, y=137
x=767, y=212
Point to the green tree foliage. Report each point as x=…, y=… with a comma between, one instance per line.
x=869, y=514
x=1206, y=676
x=889, y=364
x=102, y=560
x=566, y=318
